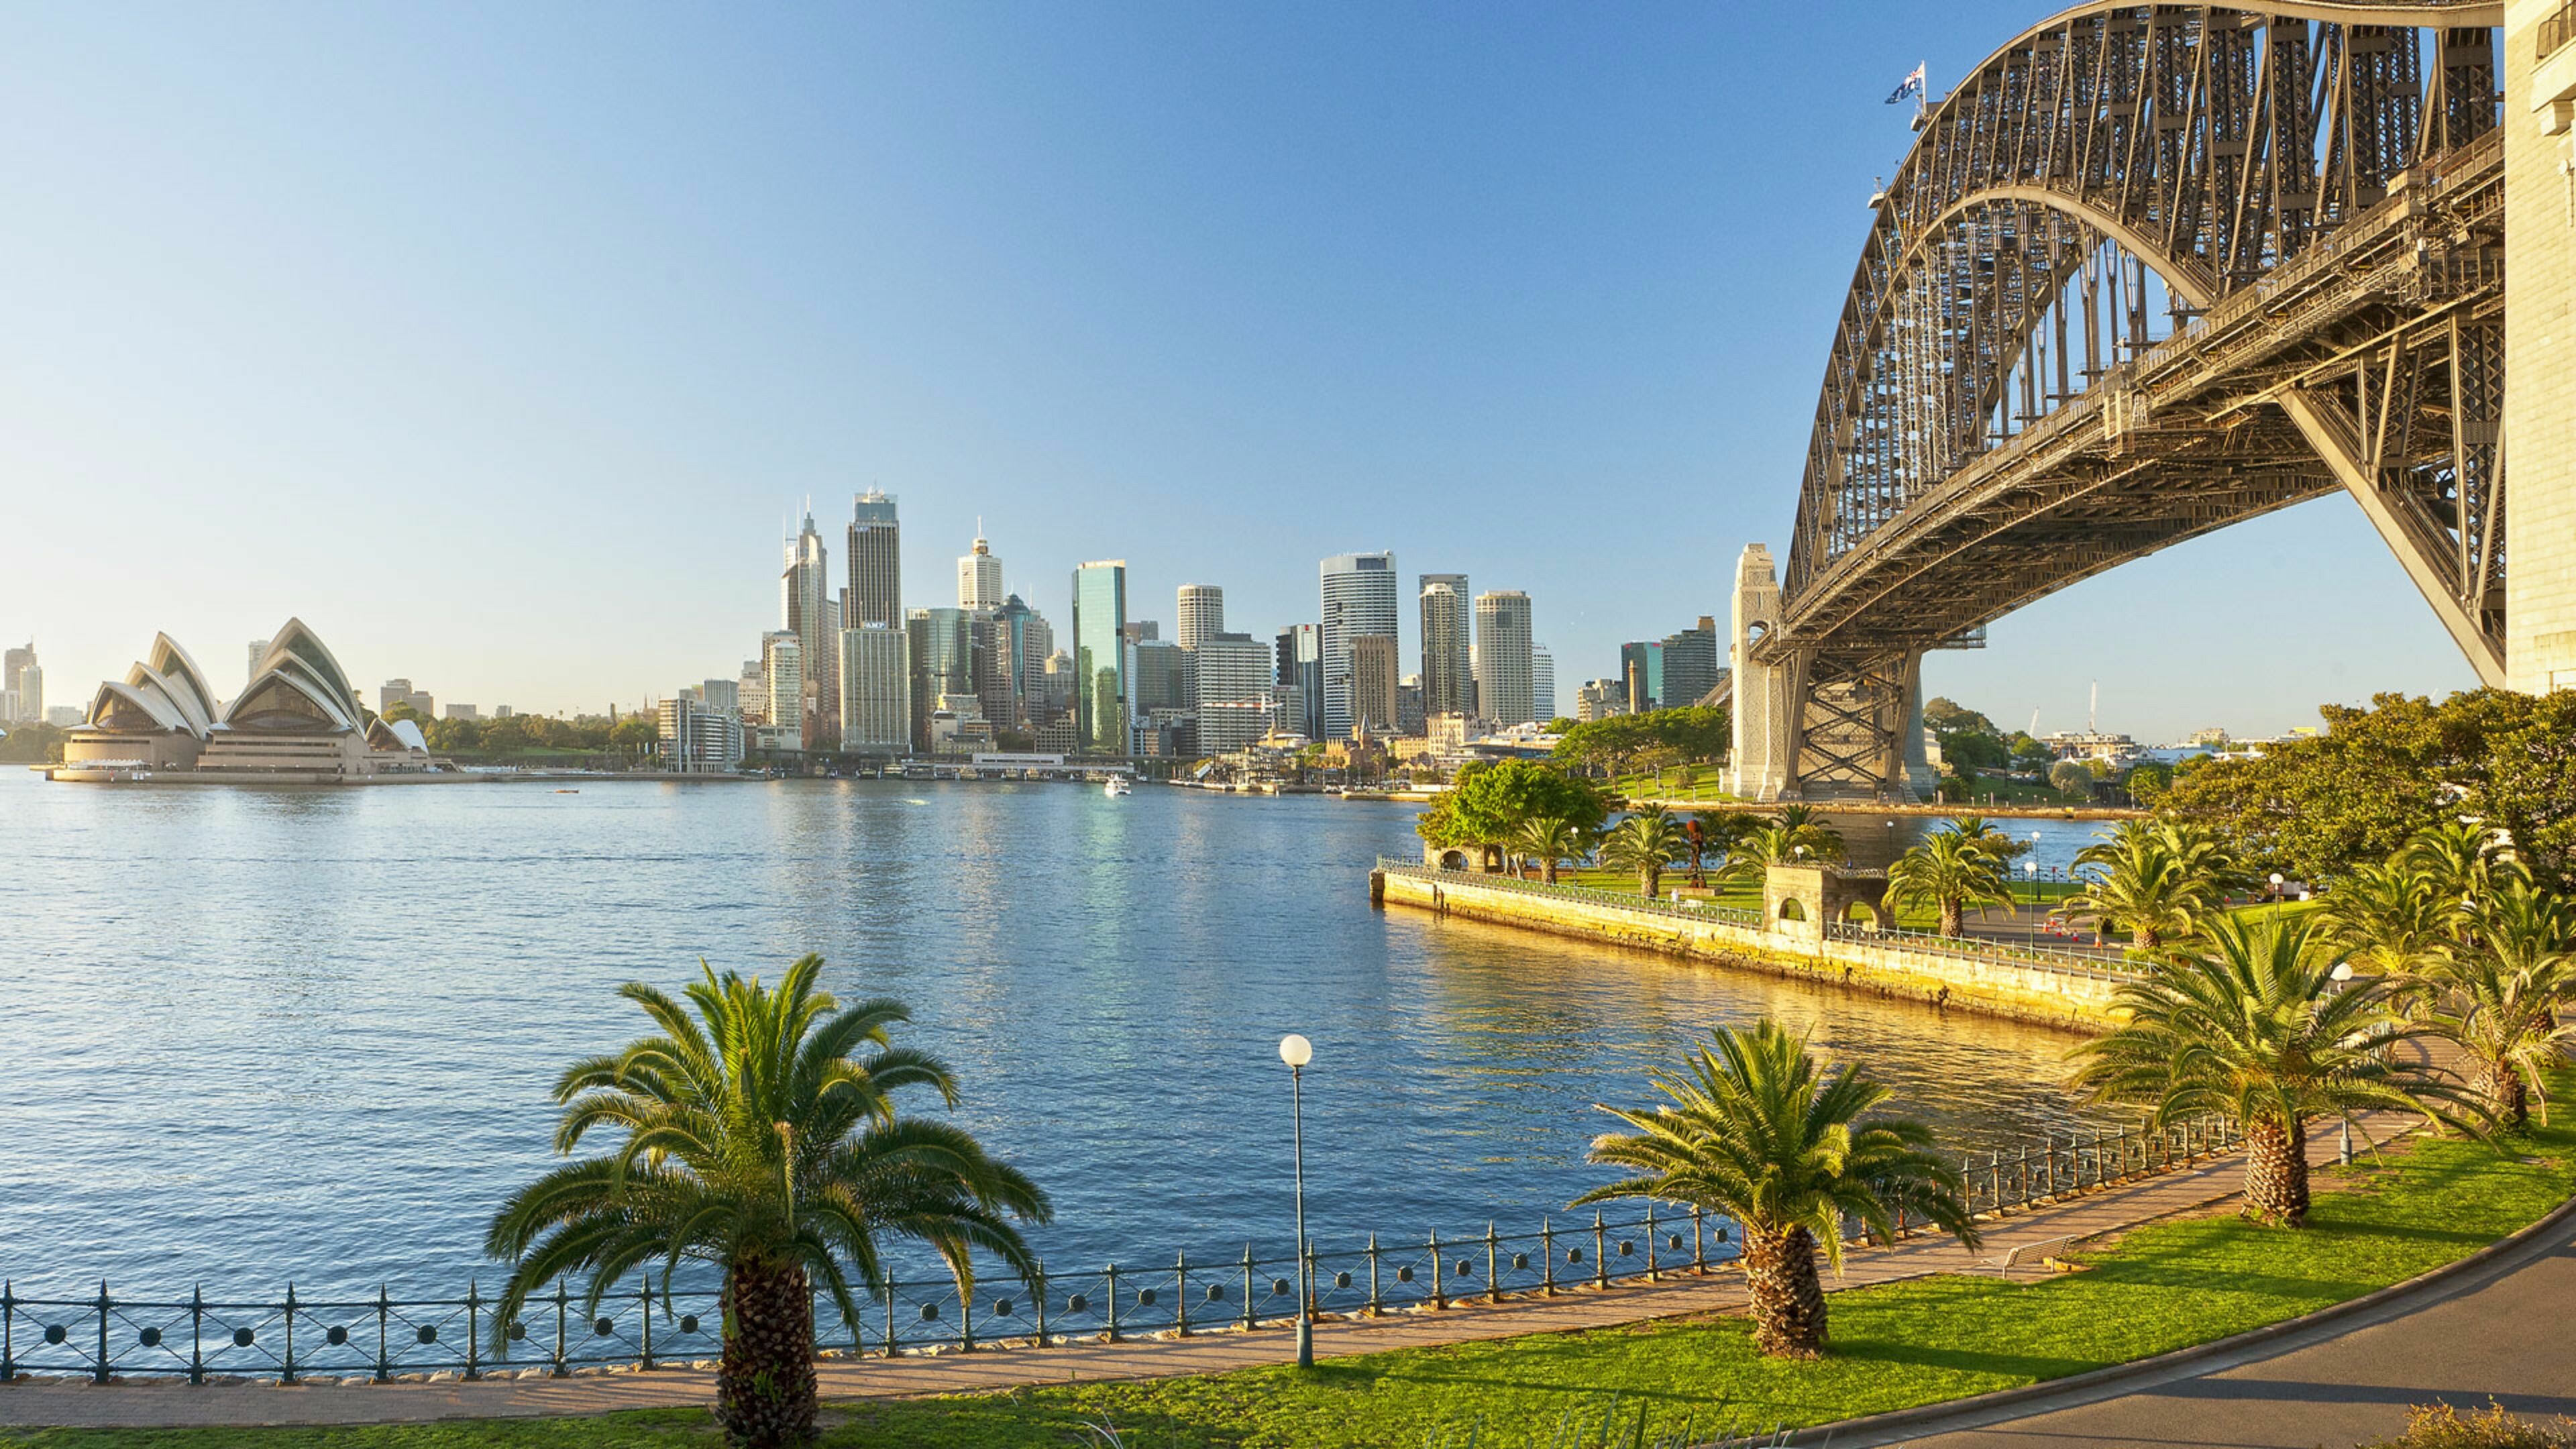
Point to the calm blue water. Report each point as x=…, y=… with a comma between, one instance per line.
x=247, y=1036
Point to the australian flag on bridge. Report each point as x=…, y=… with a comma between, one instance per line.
x=1913, y=86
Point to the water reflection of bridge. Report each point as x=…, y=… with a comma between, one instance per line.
x=2152, y=270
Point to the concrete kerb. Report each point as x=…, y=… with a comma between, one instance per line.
x=2095, y=1385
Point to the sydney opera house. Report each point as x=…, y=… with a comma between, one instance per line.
x=296, y=720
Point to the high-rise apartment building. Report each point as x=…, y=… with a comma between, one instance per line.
x=1300, y=653
x=1600, y=699
x=1542, y=684
x=808, y=610
x=876, y=690
x=698, y=737
x=1503, y=686
x=782, y=681
x=1230, y=682
x=752, y=688
x=875, y=594
x=1448, y=682
x=1202, y=614
x=1024, y=639
x=1690, y=664
x=1100, y=656
x=979, y=575
x=1372, y=683
x=1359, y=597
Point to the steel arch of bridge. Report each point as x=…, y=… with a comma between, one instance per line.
x=2150, y=270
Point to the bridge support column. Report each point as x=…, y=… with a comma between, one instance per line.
x=2540, y=347
x=1857, y=728
x=1762, y=752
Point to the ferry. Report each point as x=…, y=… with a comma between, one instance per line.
x=1116, y=786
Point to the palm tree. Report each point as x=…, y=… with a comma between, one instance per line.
x=2387, y=919
x=1953, y=871
x=2460, y=861
x=1549, y=839
x=2503, y=997
x=1645, y=842
x=1759, y=1131
x=1990, y=838
x=2144, y=887
x=2244, y=1025
x=760, y=1137
x=1807, y=828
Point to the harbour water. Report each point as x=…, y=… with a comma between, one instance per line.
x=253, y=1035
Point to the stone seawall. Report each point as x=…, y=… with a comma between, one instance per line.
x=2020, y=991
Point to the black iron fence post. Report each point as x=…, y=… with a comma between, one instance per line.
x=289, y=1375
x=1181, y=1294
x=644, y=1305
x=1600, y=1251
x=1376, y=1304
x=384, y=1357
x=1699, y=1242
x=8, y=1331
x=1654, y=1274
x=197, y=1334
x=1493, y=1259
x=1439, y=1295
x=1038, y=1288
x=1113, y=1303
x=101, y=1375
x=1547, y=1250
x=1247, y=1288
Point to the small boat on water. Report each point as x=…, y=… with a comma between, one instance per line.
x=1117, y=786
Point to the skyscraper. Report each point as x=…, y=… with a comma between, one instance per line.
x=1202, y=614
x=1373, y=684
x=876, y=690
x=1230, y=687
x=1503, y=691
x=1641, y=675
x=876, y=563
x=1542, y=684
x=1025, y=639
x=979, y=575
x=22, y=686
x=1100, y=656
x=1359, y=597
x=1300, y=651
x=1447, y=683
x=782, y=678
x=808, y=610
x=1690, y=664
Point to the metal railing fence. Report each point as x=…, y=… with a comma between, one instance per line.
x=2063, y=960
x=105, y=1337
x=2556, y=30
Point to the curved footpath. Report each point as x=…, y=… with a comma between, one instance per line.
x=2487, y=1330
x=2014, y=1247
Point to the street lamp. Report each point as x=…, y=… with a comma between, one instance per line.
x=2029, y=923
x=2276, y=885
x=1296, y=1051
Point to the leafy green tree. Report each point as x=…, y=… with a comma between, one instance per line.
x=33, y=744
x=2148, y=782
x=1626, y=742
x=1989, y=837
x=1550, y=839
x=1758, y=1131
x=634, y=735
x=2377, y=776
x=1645, y=842
x=2245, y=1025
x=761, y=1137
x=2071, y=777
x=1950, y=870
x=1491, y=802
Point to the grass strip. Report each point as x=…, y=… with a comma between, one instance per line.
x=1894, y=1346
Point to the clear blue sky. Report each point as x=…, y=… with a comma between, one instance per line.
x=497, y=341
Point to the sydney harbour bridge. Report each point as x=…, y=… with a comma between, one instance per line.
x=2148, y=271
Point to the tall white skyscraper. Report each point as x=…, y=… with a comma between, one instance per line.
x=1503, y=684
x=1202, y=610
x=979, y=576
x=1542, y=684
x=1230, y=682
x=808, y=610
x=782, y=672
x=1359, y=601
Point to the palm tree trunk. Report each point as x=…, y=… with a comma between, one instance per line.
x=1550, y=871
x=765, y=1385
x=2144, y=938
x=1652, y=878
x=1953, y=919
x=2507, y=1096
x=1788, y=1299
x=2276, y=1172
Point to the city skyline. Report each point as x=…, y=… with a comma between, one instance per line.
x=569, y=380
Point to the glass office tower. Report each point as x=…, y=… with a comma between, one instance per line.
x=1099, y=656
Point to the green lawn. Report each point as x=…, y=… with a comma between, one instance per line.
x=1647, y=785
x=1893, y=1346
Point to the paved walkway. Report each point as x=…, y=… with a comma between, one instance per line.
x=2495, y=1332
x=2013, y=1245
